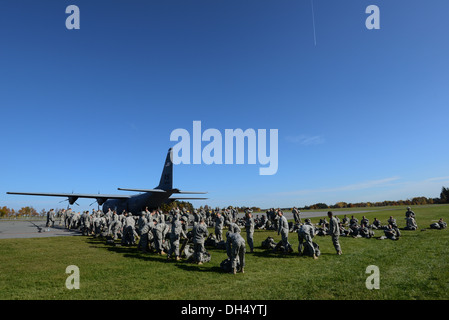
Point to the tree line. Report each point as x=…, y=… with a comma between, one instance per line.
x=444, y=198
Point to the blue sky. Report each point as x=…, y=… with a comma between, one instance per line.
x=362, y=115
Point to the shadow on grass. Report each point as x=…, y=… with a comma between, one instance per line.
x=193, y=267
x=134, y=253
x=277, y=255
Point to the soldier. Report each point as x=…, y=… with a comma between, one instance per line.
x=128, y=230
x=364, y=221
x=147, y=228
x=85, y=223
x=108, y=217
x=116, y=225
x=249, y=226
x=334, y=231
x=306, y=232
x=283, y=229
x=200, y=233
x=410, y=223
x=276, y=219
x=196, y=217
x=365, y=232
x=50, y=218
x=439, y=225
x=353, y=221
x=176, y=214
x=98, y=224
x=236, y=249
x=345, y=220
x=296, y=215
x=234, y=213
x=391, y=233
x=219, y=222
x=141, y=222
x=392, y=222
x=409, y=213
x=159, y=236
x=233, y=227
x=67, y=216
x=376, y=224
x=175, y=235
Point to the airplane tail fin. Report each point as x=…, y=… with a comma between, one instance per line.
x=166, y=182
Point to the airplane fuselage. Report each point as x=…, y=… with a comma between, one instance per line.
x=137, y=203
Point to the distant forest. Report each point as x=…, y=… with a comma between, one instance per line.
x=6, y=212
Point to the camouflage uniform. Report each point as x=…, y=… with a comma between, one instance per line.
x=249, y=226
x=283, y=229
x=334, y=231
x=236, y=249
x=200, y=232
x=175, y=236
x=305, y=234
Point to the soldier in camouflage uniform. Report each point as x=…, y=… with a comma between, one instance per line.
x=249, y=226
x=236, y=249
x=296, y=215
x=219, y=222
x=306, y=232
x=283, y=229
x=334, y=231
x=159, y=232
x=200, y=233
x=175, y=235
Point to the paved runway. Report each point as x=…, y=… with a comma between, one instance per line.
x=10, y=229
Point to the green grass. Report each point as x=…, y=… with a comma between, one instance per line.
x=415, y=267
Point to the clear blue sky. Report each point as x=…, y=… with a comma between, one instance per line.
x=362, y=115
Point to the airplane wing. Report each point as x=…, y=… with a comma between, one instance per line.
x=160, y=190
x=178, y=198
x=142, y=190
x=190, y=192
x=72, y=197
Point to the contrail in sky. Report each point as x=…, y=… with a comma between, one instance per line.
x=313, y=19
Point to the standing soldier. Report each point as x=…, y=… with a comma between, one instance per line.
x=200, y=232
x=144, y=232
x=50, y=218
x=283, y=229
x=196, y=217
x=219, y=222
x=128, y=230
x=236, y=248
x=159, y=236
x=85, y=223
x=334, y=231
x=116, y=225
x=249, y=226
x=296, y=215
x=175, y=236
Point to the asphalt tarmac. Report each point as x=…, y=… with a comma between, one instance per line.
x=13, y=229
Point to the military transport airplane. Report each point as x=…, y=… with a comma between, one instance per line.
x=136, y=203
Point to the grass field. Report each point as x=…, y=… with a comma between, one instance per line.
x=414, y=267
